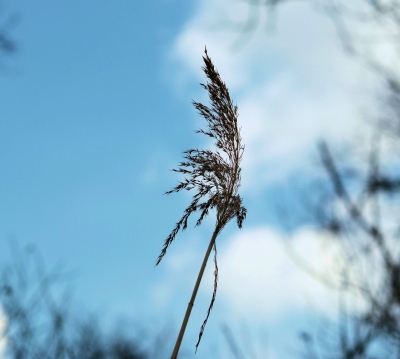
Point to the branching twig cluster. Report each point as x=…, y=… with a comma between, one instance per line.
x=39, y=322
x=365, y=235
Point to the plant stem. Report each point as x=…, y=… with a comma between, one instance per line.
x=196, y=287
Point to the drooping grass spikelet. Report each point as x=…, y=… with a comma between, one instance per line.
x=213, y=296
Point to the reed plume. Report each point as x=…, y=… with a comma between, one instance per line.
x=214, y=177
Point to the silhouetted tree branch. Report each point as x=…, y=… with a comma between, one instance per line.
x=8, y=45
x=40, y=325
x=367, y=243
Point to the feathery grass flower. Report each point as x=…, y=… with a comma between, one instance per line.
x=214, y=177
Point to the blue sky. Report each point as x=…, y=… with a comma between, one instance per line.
x=95, y=112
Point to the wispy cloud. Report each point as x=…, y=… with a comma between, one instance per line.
x=292, y=87
x=260, y=279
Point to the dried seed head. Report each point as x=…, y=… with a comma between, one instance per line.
x=215, y=178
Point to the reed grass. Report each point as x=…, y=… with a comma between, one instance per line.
x=215, y=178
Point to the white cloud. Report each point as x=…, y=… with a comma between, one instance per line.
x=3, y=339
x=258, y=283
x=291, y=87
x=258, y=279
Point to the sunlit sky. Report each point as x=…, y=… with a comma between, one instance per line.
x=96, y=110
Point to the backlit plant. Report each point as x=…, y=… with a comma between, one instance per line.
x=216, y=179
